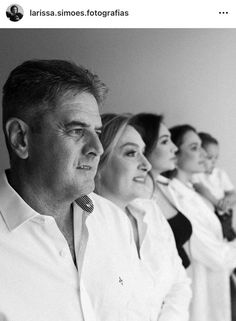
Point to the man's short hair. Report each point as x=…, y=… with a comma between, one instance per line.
x=35, y=87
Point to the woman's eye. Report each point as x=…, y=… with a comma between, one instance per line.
x=165, y=142
x=195, y=148
x=131, y=153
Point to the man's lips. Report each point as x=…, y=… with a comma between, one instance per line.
x=85, y=167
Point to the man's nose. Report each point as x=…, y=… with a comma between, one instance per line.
x=93, y=145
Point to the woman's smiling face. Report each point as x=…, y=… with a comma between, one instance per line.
x=124, y=176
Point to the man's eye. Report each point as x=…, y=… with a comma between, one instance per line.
x=76, y=132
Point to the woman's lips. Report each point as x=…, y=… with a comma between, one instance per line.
x=140, y=179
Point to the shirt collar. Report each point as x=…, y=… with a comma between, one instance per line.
x=14, y=210
x=138, y=209
x=162, y=180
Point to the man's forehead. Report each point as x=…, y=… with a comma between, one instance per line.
x=81, y=102
x=80, y=107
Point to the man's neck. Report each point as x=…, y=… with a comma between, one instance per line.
x=45, y=204
x=36, y=196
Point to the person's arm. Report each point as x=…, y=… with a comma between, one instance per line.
x=210, y=250
x=228, y=201
x=206, y=244
x=176, y=303
x=205, y=192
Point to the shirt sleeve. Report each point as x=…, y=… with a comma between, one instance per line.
x=176, y=303
x=215, y=253
x=206, y=245
x=227, y=185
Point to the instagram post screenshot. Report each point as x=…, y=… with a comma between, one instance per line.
x=117, y=162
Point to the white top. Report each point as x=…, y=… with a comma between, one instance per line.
x=158, y=253
x=212, y=257
x=218, y=182
x=38, y=278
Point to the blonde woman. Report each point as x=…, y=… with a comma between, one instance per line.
x=123, y=179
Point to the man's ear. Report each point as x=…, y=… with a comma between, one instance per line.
x=17, y=134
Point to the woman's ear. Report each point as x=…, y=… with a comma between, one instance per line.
x=17, y=135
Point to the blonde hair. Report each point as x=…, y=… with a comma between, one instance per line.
x=113, y=126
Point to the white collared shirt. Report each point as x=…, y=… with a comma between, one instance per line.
x=212, y=258
x=172, y=292
x=38, y=278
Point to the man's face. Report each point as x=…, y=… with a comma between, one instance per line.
x=63, y=157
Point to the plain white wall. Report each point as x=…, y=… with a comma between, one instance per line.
x=189, y=75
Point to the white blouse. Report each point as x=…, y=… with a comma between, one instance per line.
x=171, y=293
x=212, y=257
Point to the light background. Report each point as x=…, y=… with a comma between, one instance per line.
x=189, y=75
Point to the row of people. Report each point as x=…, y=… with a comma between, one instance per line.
x=212, y=259
x=64, y=257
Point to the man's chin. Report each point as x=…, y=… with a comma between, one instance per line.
x=87, y=188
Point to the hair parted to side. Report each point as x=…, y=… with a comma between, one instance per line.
x=35, y=87
x=113, y=126
x=148, y=126
x=178, y=132
x=207, y=139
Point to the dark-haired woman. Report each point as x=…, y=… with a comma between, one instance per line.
x=212, y=257
x=160, y=151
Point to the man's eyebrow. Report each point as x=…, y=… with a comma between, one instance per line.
x=75, y=123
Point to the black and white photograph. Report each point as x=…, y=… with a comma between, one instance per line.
x=117, y=183
x=14, y=12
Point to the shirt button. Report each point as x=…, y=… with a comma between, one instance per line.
x=63, y=253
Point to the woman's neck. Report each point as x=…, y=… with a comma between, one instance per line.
x=155, y=173
x=113, y=198
x=183, y=176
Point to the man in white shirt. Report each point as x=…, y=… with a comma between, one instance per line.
x=57, y=261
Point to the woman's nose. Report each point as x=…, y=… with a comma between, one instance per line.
x=174, y=147
x=145, y=165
